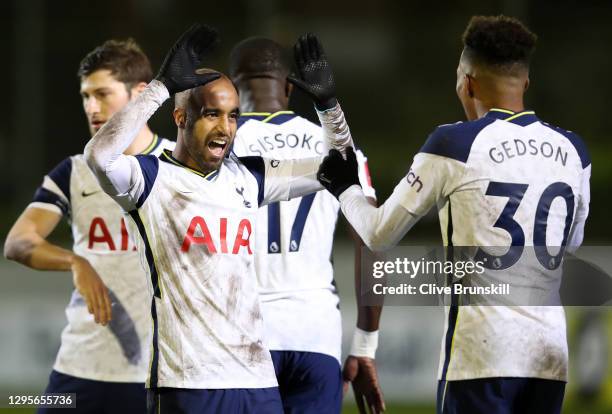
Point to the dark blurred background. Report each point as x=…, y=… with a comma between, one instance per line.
x=395, y=69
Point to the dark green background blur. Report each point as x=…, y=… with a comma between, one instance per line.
x=394, y=61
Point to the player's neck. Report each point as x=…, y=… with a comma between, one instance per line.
x=263, y=95
x=263, y=105
x=141, y=142
x=510, y=103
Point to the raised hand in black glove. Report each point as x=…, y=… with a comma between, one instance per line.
x=337, y=174
x=178, y=72
x=314, y=74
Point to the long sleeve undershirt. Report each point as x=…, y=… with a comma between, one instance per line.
x=381, y=227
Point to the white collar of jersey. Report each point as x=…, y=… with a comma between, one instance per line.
x=522, y=118
x=166, y=156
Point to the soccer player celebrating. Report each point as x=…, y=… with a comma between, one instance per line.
x=531, y=178
x=95, y=361
x=294, y=238
x=194, y=209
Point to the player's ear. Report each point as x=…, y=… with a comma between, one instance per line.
x=136, y=89
x=288, y=89
x=526, y=85
x=469, y=85
x=179, y=117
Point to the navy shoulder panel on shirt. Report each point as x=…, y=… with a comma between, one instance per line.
x=241, y=121
x=455, y=140
x=276, y=118
x=256, y=166
x=149, y=165
x=576, y=141
x=42, y=195
x=61, y=176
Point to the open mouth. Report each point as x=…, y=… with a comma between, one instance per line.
x=96, y=125
x=217, y=147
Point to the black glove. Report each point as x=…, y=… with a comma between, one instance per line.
x=337, y=174
x=314, y=74
x=178, y=72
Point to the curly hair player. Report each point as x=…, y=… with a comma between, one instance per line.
x=532, y=177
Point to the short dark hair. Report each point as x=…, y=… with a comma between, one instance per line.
x=123, y=58
x=499, y=41
x=259, y=57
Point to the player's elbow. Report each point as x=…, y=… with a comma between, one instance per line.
x=18, y=249
x=376, y=239
x=10, y=253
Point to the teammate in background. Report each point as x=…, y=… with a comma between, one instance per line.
x=194, y=209
x=294, y=238
x=95, y=361
x=495, y=359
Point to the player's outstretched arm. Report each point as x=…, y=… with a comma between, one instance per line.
x=315, y=77
x=26, y=243
x=282, y=180
x=120, y=175
x=380, y=228
x=296, y=178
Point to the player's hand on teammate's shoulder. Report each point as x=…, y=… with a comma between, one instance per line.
x=361, y=373
x=314, y=73
x=93, y=290
x=337, y=174
x=179, y=70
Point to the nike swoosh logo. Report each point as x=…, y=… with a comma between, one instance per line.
x=84, y=194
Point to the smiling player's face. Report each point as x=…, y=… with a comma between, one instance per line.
x=211, y=123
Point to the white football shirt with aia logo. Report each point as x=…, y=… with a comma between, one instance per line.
x=118, y=352
x=196, y=242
